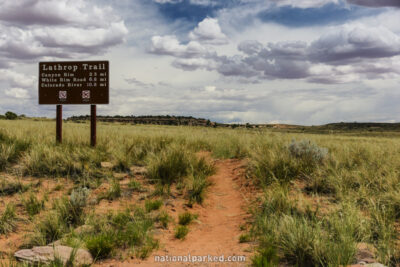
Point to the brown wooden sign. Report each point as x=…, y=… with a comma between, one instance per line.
x=79, y=82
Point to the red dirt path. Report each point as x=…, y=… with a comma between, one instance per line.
x=217, y=229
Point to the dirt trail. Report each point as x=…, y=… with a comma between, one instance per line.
x=217, y=230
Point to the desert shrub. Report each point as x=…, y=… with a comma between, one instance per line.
x=32, y=205
x=79, y=197
x=181, y=232
x=309, y=154
x=307, y=150
x=8, y=220
x=186, y=218
x=151, y=205
x=169, y=166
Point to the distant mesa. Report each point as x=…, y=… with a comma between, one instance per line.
x=157, y=120
x=191, y=121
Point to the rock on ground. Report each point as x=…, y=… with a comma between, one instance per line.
x=106, y=164
x=47, y=254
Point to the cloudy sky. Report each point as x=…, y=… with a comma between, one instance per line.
x=288, y=61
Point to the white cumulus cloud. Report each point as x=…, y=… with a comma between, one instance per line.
x=209, y=32
x=17, y=93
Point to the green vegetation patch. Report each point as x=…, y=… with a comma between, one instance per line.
x=8, y=220
x=122, y=230
x=181, y=231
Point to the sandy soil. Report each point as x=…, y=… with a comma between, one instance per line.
x=217, y=229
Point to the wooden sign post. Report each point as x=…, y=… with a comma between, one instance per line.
x=71, y=83
x=93, y=125
x=59, y=124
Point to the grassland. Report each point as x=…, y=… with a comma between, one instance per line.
x=316, y=201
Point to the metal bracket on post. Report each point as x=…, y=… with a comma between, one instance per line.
x=93, y=125
x=59, y=124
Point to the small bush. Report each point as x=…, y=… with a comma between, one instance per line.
x=186, y=218
x=32, y=205
x=309, y=154
x=100, y=246
x=151, y=205
x=7, y=220
x=79, y=197
x=181, y=232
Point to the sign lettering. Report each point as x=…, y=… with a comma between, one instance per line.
x=80, y=82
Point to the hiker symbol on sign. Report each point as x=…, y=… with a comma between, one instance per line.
x=85, y=94
x=62, y=95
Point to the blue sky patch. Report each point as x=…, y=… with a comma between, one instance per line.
x=328, y=14
x=191, y=12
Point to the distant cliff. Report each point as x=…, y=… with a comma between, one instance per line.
x=191, y=121
x=157, y=120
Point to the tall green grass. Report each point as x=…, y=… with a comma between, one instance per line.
x=357, y=180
